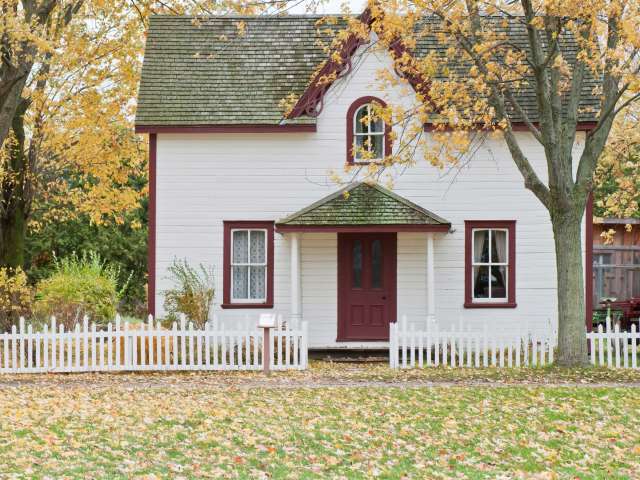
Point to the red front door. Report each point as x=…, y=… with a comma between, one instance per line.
x=366, y=285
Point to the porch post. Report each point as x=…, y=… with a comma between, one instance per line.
x=296, y=297
x=431, y=296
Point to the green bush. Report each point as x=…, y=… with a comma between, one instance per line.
x=122, y=246
x=193, y=293
x=80, y=286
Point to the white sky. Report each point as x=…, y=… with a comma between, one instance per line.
x=332, y=6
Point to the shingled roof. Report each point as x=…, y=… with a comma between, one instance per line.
x=201, y=72
x=362, y=204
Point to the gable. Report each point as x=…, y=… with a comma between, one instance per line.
x=362, y=204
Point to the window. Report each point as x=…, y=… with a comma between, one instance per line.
x=368, y=137
x=248, y=264
x=490, y=264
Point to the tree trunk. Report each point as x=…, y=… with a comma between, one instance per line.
x=572, y=342
x=13, y=221
x=14, y=230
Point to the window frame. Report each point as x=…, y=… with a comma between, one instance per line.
x=504, y=225
x=250, y=225
x=351, y=131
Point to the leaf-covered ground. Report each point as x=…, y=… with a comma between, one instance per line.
x=333, y=421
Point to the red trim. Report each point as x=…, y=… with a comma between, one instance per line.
x=226, y=283
x=588, y=240
x=363, y=228
x=469, y=225
x=249, y=128
x=310, y=102
x=350, y=126
x=151, y=227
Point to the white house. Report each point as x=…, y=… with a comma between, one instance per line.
x=235, y=185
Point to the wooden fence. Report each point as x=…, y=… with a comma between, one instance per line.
x=136, y=347
x=462, y=346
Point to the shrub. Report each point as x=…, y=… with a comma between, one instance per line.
x=80, y=286
x=16, y=297
x=193, y=293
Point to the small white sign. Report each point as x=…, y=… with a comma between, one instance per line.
x=267, y=320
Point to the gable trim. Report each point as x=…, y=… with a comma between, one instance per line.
x=310, y=102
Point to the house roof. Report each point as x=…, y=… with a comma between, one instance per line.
x=363, y=204
x=200, y=72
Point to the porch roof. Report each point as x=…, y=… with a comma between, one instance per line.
x=363, y=207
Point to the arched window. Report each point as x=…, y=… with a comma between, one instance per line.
x=367, y=135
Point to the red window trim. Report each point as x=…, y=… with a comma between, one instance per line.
x=226, y=284
x=469, y=225
x=350, y=114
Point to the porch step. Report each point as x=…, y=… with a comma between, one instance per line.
x=351, y=357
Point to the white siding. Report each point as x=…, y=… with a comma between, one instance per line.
x=203, y=179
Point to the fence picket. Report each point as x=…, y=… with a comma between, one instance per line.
x=29, y=345
x=616, y=343
x=119, y=339
x=634, y=346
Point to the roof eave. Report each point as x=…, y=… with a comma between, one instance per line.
x=369, y=228
x=227, y=128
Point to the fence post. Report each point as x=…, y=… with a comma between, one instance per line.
x=392, y=338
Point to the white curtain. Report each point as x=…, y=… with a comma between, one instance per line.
x=479, y=239
x=500, y=241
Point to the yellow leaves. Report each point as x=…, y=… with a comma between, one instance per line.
x=16, y=296
x=241, y=27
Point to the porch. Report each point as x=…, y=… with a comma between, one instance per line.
x=359, y=259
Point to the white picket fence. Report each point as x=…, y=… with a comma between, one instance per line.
x=135, y=347
x=609, y=347
x=463, y=346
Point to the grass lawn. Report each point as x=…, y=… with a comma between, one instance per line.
x=239, y=425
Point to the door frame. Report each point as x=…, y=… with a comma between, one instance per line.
x=390, y=279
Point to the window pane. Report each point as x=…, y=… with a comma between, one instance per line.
x=361, y=115
x=359, y=146
x=257, y=246
x=481, y=246
x=240, y=239
x=481, y=282
x=377, y=125
x=356, y=275
x=376, y=264
x=498, y=246
x=376, y=142
x=498, y=282
x=240, y=282
x=257, y=284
